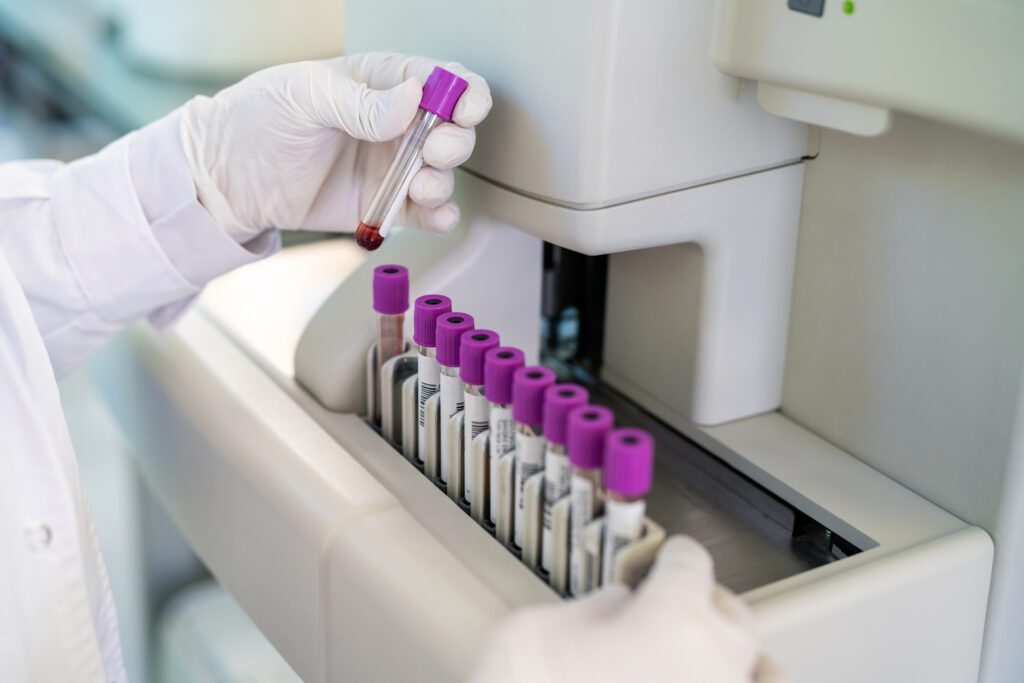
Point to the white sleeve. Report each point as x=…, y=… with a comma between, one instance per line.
x=120, y=235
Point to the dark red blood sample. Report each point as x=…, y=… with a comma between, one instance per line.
x=369, y=237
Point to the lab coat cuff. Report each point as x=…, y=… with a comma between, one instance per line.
x=264, y=244
x=117, y=261
x=196, y=245
x=133, y=230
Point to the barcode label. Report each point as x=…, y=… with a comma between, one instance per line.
x=557, y=479
x=429, y=375
x=529, y=461
x=477, y=414
x=503, y=431
x=549, y=495
x=502, y=440
x=451, y=403
x=426, y=391
x=530, y=469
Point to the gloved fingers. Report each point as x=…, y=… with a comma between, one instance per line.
x=363, y=112
x=769, y=672
x=475, y=103
x=448, y=146
x=384, y=70
x=441, y=220
x=734, y=609
x=379, y=70
x=601, y=604
x=514, y=645
x=431, y=187
x=683, y=574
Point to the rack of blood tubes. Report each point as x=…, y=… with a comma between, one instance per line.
x=565, y=465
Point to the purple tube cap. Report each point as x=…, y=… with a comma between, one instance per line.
x=629, y=462
x=587, y=430
x=441, y=92
x=450, y=328
x=474, y=346
x=390, y=289
x=528, y=386
x=427, y=310
x=559, y=400
x=500, y=364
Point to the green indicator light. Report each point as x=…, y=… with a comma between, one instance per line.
x=848, y=7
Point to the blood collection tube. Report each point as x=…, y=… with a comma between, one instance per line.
x=390, y=301
x=440, y=93
x=500, y=364
x=586, y=432
x=559, y=400
x=475, y=345
x=528, y=386
x=628, y=470
x=427, y=310
x=450, y=328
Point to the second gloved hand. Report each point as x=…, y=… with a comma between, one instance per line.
x=303, y=146
x=678, y=627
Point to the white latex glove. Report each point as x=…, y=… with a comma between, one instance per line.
x=678, y=626
x=304, y=145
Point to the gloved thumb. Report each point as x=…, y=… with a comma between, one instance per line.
x=683, y=573
x=769, y=672
x=601, y=604
x=378, y=115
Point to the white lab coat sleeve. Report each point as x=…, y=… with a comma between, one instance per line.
x=120, y=235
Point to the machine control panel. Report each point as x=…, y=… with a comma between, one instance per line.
x=813, y=7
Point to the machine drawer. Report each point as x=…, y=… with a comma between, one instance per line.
x=357, y=567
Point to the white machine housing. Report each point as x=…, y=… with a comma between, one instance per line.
x=357, y=567
x=623, y=137
x=887, y=406
x=851, y=67
x=906, y=345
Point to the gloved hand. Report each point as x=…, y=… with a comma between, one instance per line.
x=304, y=145
x=678, y=626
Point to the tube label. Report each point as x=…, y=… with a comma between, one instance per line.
x=583, y=507
x=529, y=461
x=477, y=411
x=429, y=374
x=502, y=439
x=451, y=403
x=624, y=522
x=557, y=477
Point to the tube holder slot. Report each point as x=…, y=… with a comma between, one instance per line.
x=533, y=508
x=506, y=485
x=456, y=451
x=432, y=434
x=479, y=451
x=559, y=575
x=410, y=419
x=633, y=560
x=394, y=373
x=371, y=381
